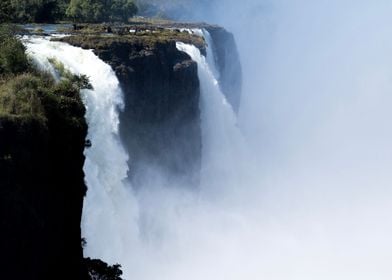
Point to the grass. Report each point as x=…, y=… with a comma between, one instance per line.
x=94, y=38
x=147, y=32
x=152, y=21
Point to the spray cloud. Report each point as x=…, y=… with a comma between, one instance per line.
x=314, y=199
x=309, y=198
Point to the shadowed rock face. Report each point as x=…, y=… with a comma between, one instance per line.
x=41, y=198
x=229, y=65
x=160, y=123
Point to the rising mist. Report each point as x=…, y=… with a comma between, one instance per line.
x=299, y=186
x=313, y=200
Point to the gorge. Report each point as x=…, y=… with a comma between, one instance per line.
x=146, y=121
x=264, y=153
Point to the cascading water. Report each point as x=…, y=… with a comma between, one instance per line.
x=110, y=211
x=221, y=138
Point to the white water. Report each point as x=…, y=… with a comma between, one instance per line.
x=110, y=210
x=211, y=60
x=221, y=139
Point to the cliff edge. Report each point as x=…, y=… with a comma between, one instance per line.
x=42, y=138
x=160, y=124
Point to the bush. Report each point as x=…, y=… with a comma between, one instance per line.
x=77, y=82
x=99, y=270
x=6, y=11
x=27, y=92
x=21, y=96
x=13, y=58
x=22, y=11
x=101, y=10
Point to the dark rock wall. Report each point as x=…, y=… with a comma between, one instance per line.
x=41, y=195
x=229, y=65
x=160, y=124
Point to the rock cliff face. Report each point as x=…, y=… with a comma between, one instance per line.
x=229, y=65
x=160, y=123
x=41, y=198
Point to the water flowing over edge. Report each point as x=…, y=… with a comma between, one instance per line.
x=221, y=138
x=110, y=210
x=110, y=222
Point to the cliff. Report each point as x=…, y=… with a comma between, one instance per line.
x=229, y=65
x=160, y=124
x=42, y=139
x=41, y=180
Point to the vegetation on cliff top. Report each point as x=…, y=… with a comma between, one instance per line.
x=145, y=36
x=49, y=11
x=32, y=11
x=101, y=10
x=22, y=11
x=26, y=92
x=13, y=59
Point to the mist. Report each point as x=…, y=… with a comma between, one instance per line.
x=310, y=191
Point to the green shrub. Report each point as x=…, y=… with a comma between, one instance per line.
x=13, y=58
x=77, y=82
x=37, y=95
x=21, y=96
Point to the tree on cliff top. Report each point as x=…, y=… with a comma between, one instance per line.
x=32, y=11
x=101, y=10
x=122, y=10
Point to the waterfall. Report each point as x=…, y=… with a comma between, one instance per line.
x=317, y=98
x=222, y=142
x=110, y=209
x=211, y=60
x=171, y=241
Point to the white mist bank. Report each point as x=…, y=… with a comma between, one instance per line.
x=315, y=111
x=315, y=114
